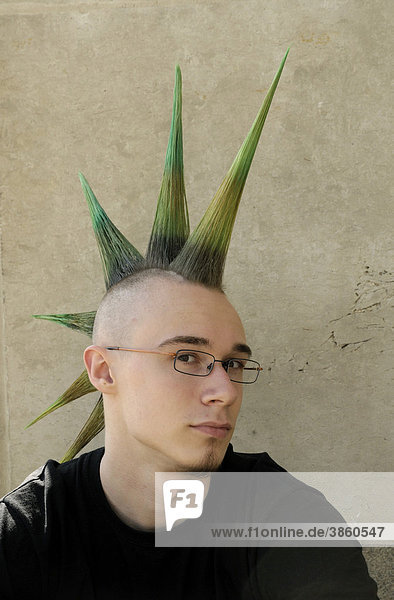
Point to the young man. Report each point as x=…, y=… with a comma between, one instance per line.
x=169, y=356
x=83, y=529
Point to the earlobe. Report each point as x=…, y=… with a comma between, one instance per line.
x=98, y=369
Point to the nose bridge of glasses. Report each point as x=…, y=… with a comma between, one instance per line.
x=209, y=363
x=224, y=364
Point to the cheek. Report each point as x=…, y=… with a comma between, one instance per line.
x=236, y=407
x=155, y=399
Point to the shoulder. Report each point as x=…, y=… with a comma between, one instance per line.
x=37, y=519
x=275, y=495
x=30, y=499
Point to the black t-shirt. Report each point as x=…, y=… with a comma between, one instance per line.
x=61, y=540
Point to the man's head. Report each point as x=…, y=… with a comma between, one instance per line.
x=197, y=257
x=151, y=410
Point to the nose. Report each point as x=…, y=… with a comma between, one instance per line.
x=217, y=387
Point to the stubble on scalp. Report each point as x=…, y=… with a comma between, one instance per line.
x=121, y=303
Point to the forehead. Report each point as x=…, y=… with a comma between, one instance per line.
x=164, y=309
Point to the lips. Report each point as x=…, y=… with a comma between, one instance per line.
x=213, y=429
x=216, y=424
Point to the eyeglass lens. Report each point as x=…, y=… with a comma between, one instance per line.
x=200, y=364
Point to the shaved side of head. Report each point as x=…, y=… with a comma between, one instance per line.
x=122, y=304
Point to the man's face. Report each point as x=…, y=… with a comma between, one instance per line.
x=171, y=420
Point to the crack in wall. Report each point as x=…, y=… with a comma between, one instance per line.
x=349, y=334
x=370, y=284
x=344, y=345
x=374, y=293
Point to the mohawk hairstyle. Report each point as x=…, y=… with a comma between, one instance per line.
x=199, y=257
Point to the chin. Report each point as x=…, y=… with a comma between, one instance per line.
x=210, y=459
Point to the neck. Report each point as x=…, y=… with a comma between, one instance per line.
x=129, y=488
x=129, y=483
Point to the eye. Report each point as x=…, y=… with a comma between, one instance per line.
x=236, y=363
x=188, y=358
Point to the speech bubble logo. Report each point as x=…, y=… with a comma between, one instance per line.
x=183, y=499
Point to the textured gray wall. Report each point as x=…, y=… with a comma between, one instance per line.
x=88, y=86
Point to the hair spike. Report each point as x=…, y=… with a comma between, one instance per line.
x=119, y=258
x=82, y=322
x=171, y=225
x=203, y=256
x=92, y=427
x=80, y=387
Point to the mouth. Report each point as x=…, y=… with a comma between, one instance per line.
x=218, y=430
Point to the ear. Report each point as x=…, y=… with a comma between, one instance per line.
x=98, y=369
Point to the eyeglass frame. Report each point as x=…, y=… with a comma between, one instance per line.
x=175, y=354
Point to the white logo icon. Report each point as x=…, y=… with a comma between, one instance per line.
x=183, y=499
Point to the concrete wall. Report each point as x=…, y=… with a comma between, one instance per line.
x=88, y=86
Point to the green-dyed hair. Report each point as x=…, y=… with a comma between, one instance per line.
x=199, y=256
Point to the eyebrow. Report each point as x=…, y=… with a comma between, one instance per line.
x=244, y=348
x=201, y=341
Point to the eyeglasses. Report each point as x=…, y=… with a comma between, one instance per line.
x=200, y=364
